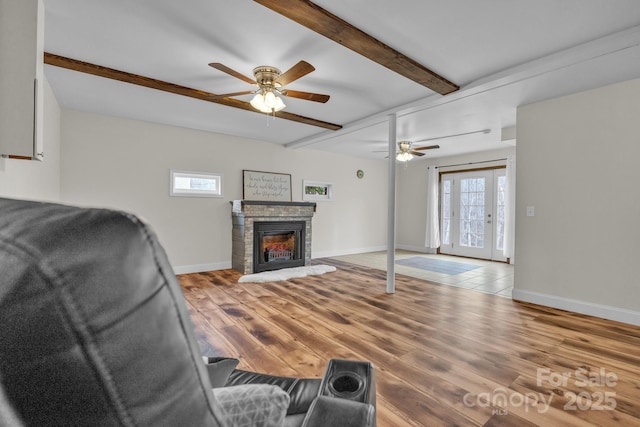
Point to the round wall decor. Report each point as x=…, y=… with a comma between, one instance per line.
x=360, y=173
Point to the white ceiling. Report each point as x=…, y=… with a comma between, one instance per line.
x=502, y=54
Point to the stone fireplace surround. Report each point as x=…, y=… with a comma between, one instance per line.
x=246, y=212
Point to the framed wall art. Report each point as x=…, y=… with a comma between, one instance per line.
x=267, y=186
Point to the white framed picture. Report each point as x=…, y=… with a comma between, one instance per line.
x=313, y=191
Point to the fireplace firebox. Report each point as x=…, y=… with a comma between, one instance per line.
x=278, y=244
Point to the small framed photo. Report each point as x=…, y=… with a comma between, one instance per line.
x=314, y=191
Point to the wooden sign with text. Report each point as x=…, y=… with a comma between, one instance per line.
x=267, y=186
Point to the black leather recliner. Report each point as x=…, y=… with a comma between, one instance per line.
x=95, y=331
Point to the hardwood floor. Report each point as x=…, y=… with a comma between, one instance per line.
x=444, y=356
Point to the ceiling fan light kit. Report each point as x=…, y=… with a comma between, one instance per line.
x=404, y=155
x=266, y=99
x=267, y=102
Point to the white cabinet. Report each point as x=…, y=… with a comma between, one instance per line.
x=21, y=78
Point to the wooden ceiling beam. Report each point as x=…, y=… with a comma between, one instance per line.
x=110, y=73
x=329, y=25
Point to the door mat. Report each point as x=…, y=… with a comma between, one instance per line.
x=437, y=265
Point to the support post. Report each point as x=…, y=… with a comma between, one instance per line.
x=391, y=206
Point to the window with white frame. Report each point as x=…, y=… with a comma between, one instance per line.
x=316, y=190
x=195, y=184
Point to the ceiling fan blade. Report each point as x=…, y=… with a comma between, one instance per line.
x=306, y=95
x=429, y=147
x=302, y=68
x=229, y=95
x=234, y=73
x=329, y=25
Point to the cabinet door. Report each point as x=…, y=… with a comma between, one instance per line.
x=21, y=78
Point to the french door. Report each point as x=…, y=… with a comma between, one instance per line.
x=472, y=214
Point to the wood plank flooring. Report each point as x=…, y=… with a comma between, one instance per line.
x=444, y=356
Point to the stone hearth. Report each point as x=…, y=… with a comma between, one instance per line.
x=246, y=213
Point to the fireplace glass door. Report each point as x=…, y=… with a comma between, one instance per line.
x=279, y=247
x=278, y=244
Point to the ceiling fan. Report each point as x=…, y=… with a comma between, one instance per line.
x=271, y=83
x=406, y=151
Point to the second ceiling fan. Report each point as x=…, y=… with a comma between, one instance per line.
x=406, y=151
x=271, y=84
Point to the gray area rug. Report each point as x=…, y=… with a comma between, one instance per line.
x=436, y=265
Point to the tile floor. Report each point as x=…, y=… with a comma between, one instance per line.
x=492, y=277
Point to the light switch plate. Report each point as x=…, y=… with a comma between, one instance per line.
x=531, y=211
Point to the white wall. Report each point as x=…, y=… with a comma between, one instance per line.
x=577, y=164
x=30, y=179
x=412, y=192
x=124, y=164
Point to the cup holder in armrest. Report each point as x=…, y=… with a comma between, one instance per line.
x=345, y=384
x=349, y=379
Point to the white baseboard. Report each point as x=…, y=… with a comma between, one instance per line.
x=199, y=268
x=421, y=249
x=577, y=306
x=326, y=254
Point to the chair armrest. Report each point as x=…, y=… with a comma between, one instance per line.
x=331, y=411
x=251, y=404
x=302, y=391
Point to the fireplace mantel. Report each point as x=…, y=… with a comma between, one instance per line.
x=247, y=212
x=267, y=202
x=260, y=207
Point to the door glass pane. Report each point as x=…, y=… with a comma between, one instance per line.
x=472, y=212
x=446, y=212
x=502, y=181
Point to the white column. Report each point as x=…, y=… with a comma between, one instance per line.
x=391, y=205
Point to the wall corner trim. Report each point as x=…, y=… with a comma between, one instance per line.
x=583, y=307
